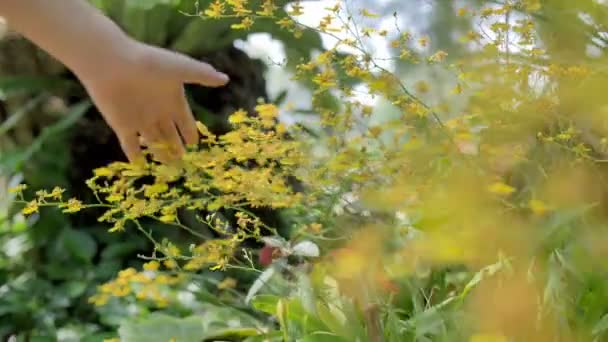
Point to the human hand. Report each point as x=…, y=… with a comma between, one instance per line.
x=140, y=93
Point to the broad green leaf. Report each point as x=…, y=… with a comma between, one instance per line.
x=80, y=244
x=265, y=303
x=601, y=326
x=163, y=328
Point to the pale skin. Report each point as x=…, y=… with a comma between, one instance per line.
x=138, y=88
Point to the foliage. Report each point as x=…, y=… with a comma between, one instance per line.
x=472, y=211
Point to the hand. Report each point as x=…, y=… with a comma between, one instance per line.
x=140, y=93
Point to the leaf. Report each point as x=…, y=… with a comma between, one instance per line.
x=163, y=328
x=16, y=160
x=306, y=294
x=280, y=98
x=335, y=324
x=265, y=303
x=20, y=84
x=321, y=336
x=119, y=250
x=306, y=248
x=600, y=326
x=149, y=4
x=80, y=244
x=281, y=312
x=259, y=283
x=74, y=289
x=485, y=272
x=19, y=114
x=233, y=334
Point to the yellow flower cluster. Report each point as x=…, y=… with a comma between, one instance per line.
x=45, y=198
x=149, y=285
x=248, y=166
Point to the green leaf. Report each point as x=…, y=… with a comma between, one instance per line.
x=265, y=303
x=74, y=289
x=233, y=334
x=80, y=244
x=321, y=336
x=15, y=161
x=163, y=328
x=600, y=326
x=148, y=4
x=331, y=321
x=19, y=84
x=216, y=323
x=485, y=272
x=119, y=250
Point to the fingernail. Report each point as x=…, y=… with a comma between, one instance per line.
x=224, y=77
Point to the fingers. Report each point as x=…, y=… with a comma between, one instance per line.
x=164, y=141
x=156, y=143
x=171, y=138
x=184, y=120
x=189, y=70
x=129, y=143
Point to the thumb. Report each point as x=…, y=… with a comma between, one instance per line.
x=189, y=70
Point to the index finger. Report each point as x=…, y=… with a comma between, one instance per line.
x=129, y=142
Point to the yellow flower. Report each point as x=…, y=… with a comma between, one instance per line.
x=405, y=54
x=141, y=278
x=30, y=208
x=127, y=273
x=285, y=23
x=100, y=300
x=422, y=87
x=227, y=283
x=238, y=117
x=296, y=9
x=202, y=129
x=538, y=207
x=245, y=24
x=500, y=188
x=438, y=56
x=155, y=189
x=423, y=41
x=121, y=291
x=315, y=227
x=267, y=112
x=72, y=206
x=103, y=172
x=172, y=251
x=326, y=79
x=215, y=10
x=152, y=265
x=17, y=189
x=268, y=9
x=114, y=198
x=56, y=193
x=167, y=218
x=170, y=263
x=364, y=12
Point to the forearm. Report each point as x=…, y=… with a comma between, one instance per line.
x=72, y=31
